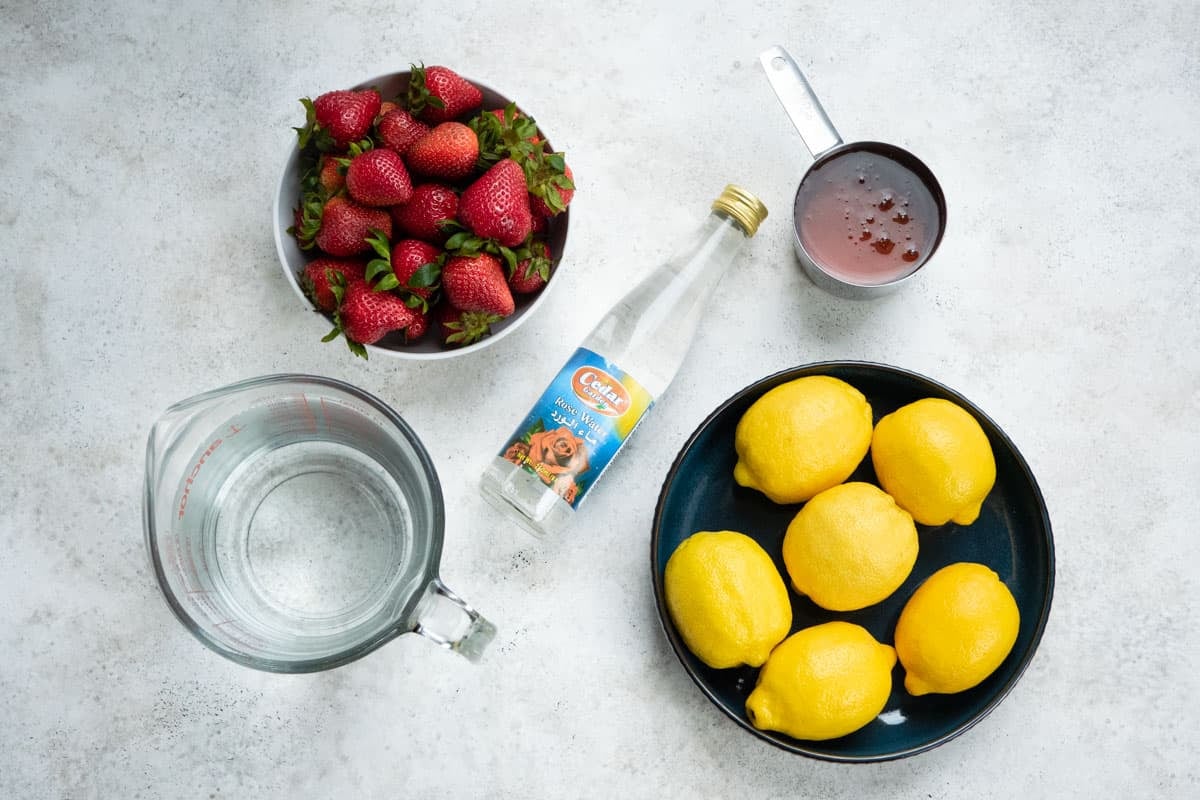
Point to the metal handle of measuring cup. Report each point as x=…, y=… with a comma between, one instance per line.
x=799, y=101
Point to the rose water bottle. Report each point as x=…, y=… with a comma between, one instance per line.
x=558, y=453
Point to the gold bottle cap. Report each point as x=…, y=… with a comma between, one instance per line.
x=744, y=207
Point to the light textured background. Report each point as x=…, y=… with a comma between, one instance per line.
x=141, y=147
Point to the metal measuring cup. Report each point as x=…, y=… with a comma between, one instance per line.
x=828, y=150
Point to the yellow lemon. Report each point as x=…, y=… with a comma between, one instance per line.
x=956, y=629
x=802, y=437
x=726, y=598
x=933, y=457
x=822, y=682
x=850, y=547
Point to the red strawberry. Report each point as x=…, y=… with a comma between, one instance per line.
x=408, y=256
x=461, y=328
x=438, y=94
x=540, y=223
x=319, y=274
x=477, y=283
x=430, y=204
x=332, y=175
x=417, y=328
x=533, y=272
x=448, y=151
x=346, y=115
x=366, y=316
x=496, y=206
x=564, y=188
x=378, y=178
x=398, y=130
x=345, y=226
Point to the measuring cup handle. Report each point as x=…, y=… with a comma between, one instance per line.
x=799, y=101
x=445, y=619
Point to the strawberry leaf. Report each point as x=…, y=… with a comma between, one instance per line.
x=538, y=262
x=310, y=170
x=312, y=133
x=544, y=175
x=379, y=243
x=510, y=259
x=312, y=205
x=509, y=135
x=455, y=241
x=387, y=282
x=470, y=327
x=425, y=277
x=377, y=267
x=338, y=286
x=419, y=97
x=465, y=243
x=304, y=135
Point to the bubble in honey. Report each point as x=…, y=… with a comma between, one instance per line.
x=889, y=218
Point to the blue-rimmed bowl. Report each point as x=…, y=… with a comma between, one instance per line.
x=1012, y=536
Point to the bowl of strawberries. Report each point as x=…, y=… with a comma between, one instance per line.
x=421, y=213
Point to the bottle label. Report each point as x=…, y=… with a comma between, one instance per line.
x=576, y=428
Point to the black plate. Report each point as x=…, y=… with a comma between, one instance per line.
x=1012, y=536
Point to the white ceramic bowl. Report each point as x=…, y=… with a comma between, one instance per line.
x=293, y=259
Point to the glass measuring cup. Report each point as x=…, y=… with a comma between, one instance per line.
x=867, y=215
x=295, y=524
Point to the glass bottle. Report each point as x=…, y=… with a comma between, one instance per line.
x=570, y=436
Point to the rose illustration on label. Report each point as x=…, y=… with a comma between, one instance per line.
x=559, y=451
x=516, y=452
x=577, y=426
x=556, y=456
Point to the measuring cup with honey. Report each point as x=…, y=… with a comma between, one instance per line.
x=867, y=215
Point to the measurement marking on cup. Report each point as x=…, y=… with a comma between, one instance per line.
x=234, y=430
x=312, y=418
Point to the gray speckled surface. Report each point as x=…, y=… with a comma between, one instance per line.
x=142, y=145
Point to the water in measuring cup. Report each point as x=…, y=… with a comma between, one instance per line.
x=301, y=542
